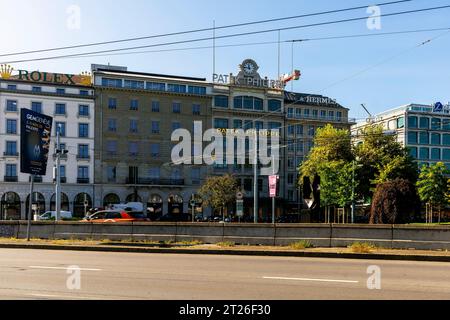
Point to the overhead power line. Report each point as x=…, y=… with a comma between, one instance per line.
x=229, y=35
x=200, y=30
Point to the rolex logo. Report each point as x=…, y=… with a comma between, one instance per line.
x=86, y=78
x=6, y=71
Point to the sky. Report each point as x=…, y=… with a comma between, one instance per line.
x=382, y=72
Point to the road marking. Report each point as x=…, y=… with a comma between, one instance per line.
x=38, y=295
x=62, y=268
x=309, y=279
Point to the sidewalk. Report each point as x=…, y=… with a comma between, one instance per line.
x=339, y=253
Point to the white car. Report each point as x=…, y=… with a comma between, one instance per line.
x=52, y=214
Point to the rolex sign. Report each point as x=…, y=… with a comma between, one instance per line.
x=35, y=132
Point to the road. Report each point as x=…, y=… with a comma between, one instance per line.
x=43, y=274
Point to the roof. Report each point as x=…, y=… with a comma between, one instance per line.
x=156, y=75
x=310, y=99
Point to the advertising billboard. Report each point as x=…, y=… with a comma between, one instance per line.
x=35, y=132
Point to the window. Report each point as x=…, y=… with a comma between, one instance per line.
x=176, y=125
x=61, y=128
x=446, y=139
x=311, y=131
x=133, y=84
x=133, y=148
x=435, y=124
x=60, y=91
x=274, y=125
x=11, y=170
x=300, y=146
x=298, y=113
x=290, y=178
x=115, y=83
x=83, y=151
x=249, y=103
x=435, y=138
x=424, y=138
x=424, y=153
x=306, y=113
x=111, y=173
x=435, y=154
x=112, y=103
x=133, y=125
x=412, y=122
x=446, y=154
x=338, y=115
x=176, y=107
x=401, y=122
x=299, y=129
x=331, y=115
x=36, y=89
x=154, y=149
x=36, y=107
x=258, y=104
x=62, y=171
x=83, y=172
x=83, y=130
x=84, y=92
x=291, y=164
x=259, y=125
x=237, y=124
x=155, y=106
x=11, y=148
x=412, y=137
x=291, y=145
x=221, y=123
x=446, y=124
x=323, y=114
x=424, y=123
x=290, y=113
x=155, y=126
x=197, y=90
x=291, y=130
x=12, y=87
x=154, y=173
x=60, y=109
x=111, y=147
x=83, y=110
x=248, y=124
x=134, y=104
x=195, y=176
x=413, y=152
x=155, y=86
x=221, y=101
x=11, y=126
x=248, y=185
x=177, y=88
x=11, y=105
x=196, y=109
x=112, y=125
x=274, y=105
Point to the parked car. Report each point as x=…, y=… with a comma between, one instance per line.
x=108, y=216
x=129, y=206
x=175, y=218
x=51, y=215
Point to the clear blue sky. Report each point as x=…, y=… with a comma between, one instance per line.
x=420, y=75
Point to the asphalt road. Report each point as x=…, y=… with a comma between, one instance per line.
x=42, y=274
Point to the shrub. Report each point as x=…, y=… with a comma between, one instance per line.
x=299, y=245
x=226, y=244
x=362, y=247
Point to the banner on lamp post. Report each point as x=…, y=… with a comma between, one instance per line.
x=273, y=186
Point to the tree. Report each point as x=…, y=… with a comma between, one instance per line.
x=394, y=201
x=330, y=144
x=379, y=155
x=335, y=186
x=218, y=192
x=432, y=185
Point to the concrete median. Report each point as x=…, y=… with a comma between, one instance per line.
x=154, y=231
x=318, y=234
x=205, y=232
x=262, y=234
x=345, y=235
x=405, y=237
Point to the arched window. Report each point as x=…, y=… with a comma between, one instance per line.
x=221, y=101
x=133, y=198
x=64, y=202
x=155, y=207
x=175, y=204
x=249, y=103
x=81, y=204
x=274, y=105
x=110, y=199
x=39, y=200
x=10, y=206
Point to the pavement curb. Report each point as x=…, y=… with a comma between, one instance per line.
x=235, y=252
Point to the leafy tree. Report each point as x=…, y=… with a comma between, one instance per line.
x=379, y=155
x=218, y=192
x=336, y=186
x=394, y=201
x=330, y=144
x=433, y=185
x=398, y=167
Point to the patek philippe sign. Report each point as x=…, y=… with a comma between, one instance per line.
x=248, y=76
x=35, y=131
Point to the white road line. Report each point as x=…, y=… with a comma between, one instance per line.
x=308, y=279
x=38, y=295
x=62, y=268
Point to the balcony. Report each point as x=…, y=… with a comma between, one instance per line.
x=83, y=157
x=11, y=179
x=63, y=157
x=83, y=180
x=158, y=182
x=10, y=154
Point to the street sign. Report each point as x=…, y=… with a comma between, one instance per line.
x=240, y=208
x=273, y=186
x=239, y=195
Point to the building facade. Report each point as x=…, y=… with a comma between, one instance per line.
x=423, y=129
x=69, y=99
x=136, y=115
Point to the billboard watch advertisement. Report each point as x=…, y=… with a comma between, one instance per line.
x=35, y=135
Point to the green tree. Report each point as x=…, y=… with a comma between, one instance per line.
x=335, y=185
x=398, y=167
x=218, y=192
x=432, y=185
x=379, y=155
